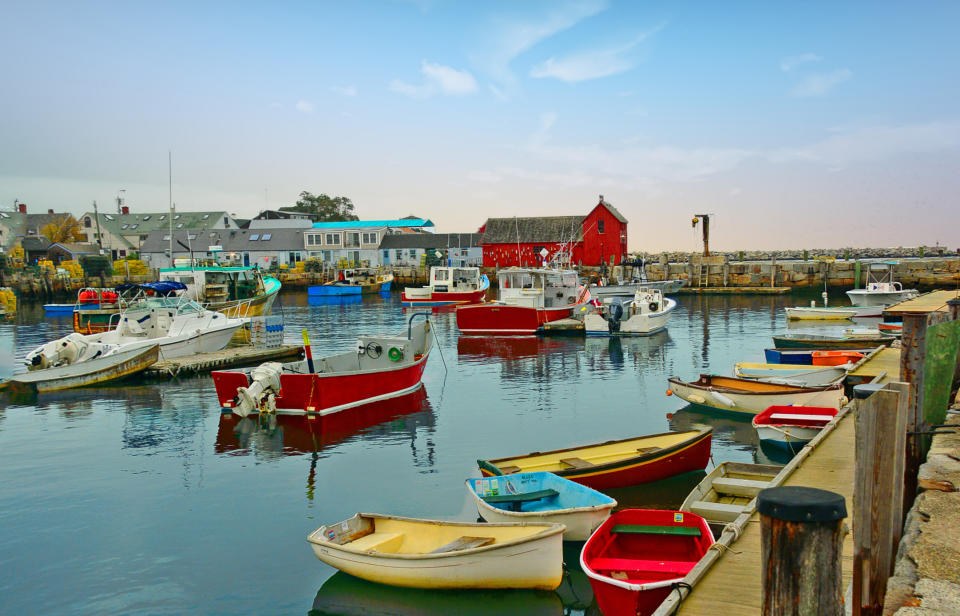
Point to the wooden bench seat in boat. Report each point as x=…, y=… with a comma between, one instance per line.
x=644, y=529
x=576, y=462
x=723, y=512
x=794, y=417
x=509, y=470
x=378, y=542
x=677, y=567
x=522, y=497
x=463, y=543
x=647, y=449
x=739, y=487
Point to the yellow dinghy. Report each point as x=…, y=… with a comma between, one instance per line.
x=433, y=554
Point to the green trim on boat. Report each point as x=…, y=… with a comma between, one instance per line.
x=639, y=529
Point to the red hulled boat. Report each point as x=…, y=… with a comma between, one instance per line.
x=528, y=298
x=449, y=286
x=380, y=368
x=636, y=556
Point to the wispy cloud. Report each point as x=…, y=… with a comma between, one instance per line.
x=791, y=62
x=344, y=90
x=509, y=39
x=594, y=63
x=818, y=84
x=304, y=106
x=437, y=79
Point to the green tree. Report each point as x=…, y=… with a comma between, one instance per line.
x=324, y=207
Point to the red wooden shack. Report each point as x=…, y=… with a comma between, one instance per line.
x=599, y=237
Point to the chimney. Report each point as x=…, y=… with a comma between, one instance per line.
x=50, y=211
x=22, y=208
x=124, y=210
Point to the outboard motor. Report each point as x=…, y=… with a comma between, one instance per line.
x=266, y=383
x=62, y=352
x=613, y=317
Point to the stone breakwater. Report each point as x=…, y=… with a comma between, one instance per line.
x=813, y=253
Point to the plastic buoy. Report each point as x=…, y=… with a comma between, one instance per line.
x=669, y=392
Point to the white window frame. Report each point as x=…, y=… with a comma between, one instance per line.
x=370, y=238
x=331, y=239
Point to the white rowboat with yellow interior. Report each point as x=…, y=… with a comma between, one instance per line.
x=726, y=393
x=433, y=554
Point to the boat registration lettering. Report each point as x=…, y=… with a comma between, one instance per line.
x=678, y=517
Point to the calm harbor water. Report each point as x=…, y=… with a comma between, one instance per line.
x=140, y=498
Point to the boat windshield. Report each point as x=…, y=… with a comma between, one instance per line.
x=520, y=280
x=466, y=274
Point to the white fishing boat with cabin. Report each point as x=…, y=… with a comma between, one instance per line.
x=881, y=289
x=647, y=313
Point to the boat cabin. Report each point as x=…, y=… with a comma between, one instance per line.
x=538, y=288
x=356, y=276
x=454, y=279
x=216, y=285
x=880, y=278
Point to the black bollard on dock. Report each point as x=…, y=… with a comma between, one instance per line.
x=801, y=532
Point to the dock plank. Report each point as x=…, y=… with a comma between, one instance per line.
x=886, y=360
x=934, y=301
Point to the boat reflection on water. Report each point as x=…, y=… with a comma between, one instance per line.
x=479, y=348
x=664, y=494
x=643, y=349
x=728, y=429
x=82, y=401
x=345, y=595
x=274, y=436
x=328, y=300
x=775, y=454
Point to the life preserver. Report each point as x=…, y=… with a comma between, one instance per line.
x=653, y=306
x=395, y=354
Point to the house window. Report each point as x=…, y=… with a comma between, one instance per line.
x=600, y=226
x=254, y=237
x=332, y=239
x=226, y=221
x=369, y=238
x=326, y=255
x=313, y=240
x=399, y=255
x=266, y=237
x=413, y=253
x=86, y=222
x=353, y=240
x=206, y=216
x=293, y=257
x=179, y=225
x=386, y=255
x=146, y=218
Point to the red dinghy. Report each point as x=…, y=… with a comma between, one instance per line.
x=380, y=368
x=634, y=558
x=528, y=298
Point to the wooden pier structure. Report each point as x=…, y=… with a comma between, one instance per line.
x=232, y=357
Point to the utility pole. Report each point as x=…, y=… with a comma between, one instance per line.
x=170, y=193
x=706, y=231
x=96, y=216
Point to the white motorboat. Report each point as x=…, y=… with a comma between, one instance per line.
x=881, y=290
x=177, y=325
x=647, y=313
x=91, y=372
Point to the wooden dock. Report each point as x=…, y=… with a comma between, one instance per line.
x=688, y=290
x=732, y=584
x=233, y=357
x=934, y=301
x=886, y=361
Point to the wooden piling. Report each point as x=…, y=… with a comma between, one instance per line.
x=800, y=553
x=880, y=449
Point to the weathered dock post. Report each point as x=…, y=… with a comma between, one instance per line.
x=801, y=534
x=880, y=449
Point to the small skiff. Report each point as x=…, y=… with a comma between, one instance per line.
x=615, y=464
x=803, y=313
x=806, y=376
x=849, y=340
x=894, y=328
x=835, y=358
x=90, y=372
x=791, y=427
x=636, y=556
x=752, y=397
x=541, y=498
x=728, y=491
x=433, y=554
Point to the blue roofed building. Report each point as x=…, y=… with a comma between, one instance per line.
x=357, y=241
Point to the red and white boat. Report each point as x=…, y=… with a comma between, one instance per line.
x=381, y=367
x=449, y=286
x=636, y=556
x=528, y=298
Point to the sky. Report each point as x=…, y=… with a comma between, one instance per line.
x=801, y=126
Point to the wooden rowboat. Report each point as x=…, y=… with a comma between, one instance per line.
x=81, y=374
x=806, y=376
x=804, y=313
x=637, y=555
x=801, y=356
x=728, y=491
x=541, y=498
x=848, y=341
x=433, y=554
x=615, y=464
x=751, y=397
